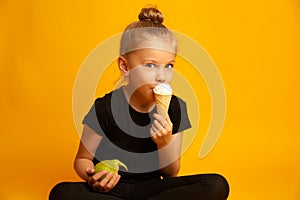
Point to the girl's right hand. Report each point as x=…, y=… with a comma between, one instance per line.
x=104, y=185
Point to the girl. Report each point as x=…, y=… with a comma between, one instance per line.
x=124, y=125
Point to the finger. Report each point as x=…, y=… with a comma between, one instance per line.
x=99, y=175
x=154, y=129
x=159, y=118
x=104, y=181
x=155, y=132
x=157, y=125
x=168, y=119
x=91, y=181
x=163, y=132
x=118, y=178
x=152, y=133
x=154, y=136
x=107, y=184
x=169, y=124
x=112, y=182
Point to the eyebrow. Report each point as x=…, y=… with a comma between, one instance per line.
x=155, y=61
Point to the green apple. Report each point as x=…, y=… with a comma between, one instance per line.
x=109, y=166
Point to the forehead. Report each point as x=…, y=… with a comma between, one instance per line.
x=157, y=44
x=151, y=54
x=156, y=50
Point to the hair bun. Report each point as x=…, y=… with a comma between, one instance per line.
x=152, y=15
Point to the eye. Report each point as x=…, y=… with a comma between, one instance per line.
x=150, y=65
x=169, y=66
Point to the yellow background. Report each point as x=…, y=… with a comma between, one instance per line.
x=255, y=45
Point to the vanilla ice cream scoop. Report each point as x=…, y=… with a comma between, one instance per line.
x=163, y=95
x=164, y=89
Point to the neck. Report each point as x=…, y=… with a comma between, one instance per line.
x=137, y=101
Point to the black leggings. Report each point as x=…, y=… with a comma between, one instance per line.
x=200, y=187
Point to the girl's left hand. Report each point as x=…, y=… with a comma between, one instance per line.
x=161, y=130
x=106, y=184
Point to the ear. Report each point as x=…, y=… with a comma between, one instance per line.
x=123, y=65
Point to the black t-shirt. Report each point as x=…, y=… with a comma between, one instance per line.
x=126, y=133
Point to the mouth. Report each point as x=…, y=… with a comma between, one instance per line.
x=152, y=85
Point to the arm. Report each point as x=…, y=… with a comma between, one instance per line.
x=169, y=156
x=84, y=166
x=168, y=144
x=86, y=151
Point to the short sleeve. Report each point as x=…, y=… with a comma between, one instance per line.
x=91, y=120
x=178, y=115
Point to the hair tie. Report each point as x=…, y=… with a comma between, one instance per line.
x=149, y=20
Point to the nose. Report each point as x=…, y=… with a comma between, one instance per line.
x=160, y=75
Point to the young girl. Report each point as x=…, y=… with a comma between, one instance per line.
x=124, y=125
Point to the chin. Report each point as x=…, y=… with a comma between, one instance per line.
x=152, y=99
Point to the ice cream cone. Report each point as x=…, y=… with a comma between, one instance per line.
x=163, y=95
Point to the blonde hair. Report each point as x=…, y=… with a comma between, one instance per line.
x=149, y=27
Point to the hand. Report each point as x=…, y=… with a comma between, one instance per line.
x=161, y=130
x=105, y=184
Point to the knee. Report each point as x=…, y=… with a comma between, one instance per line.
x=58, y=190
x=220, y=186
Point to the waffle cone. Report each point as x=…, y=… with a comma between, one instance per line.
x=162, y=104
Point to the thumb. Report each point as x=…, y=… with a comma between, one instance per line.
x=169, y=121
x=90, y=171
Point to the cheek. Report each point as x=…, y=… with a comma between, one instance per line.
x=168, y=76
x=147, y=92
x=142, y=77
